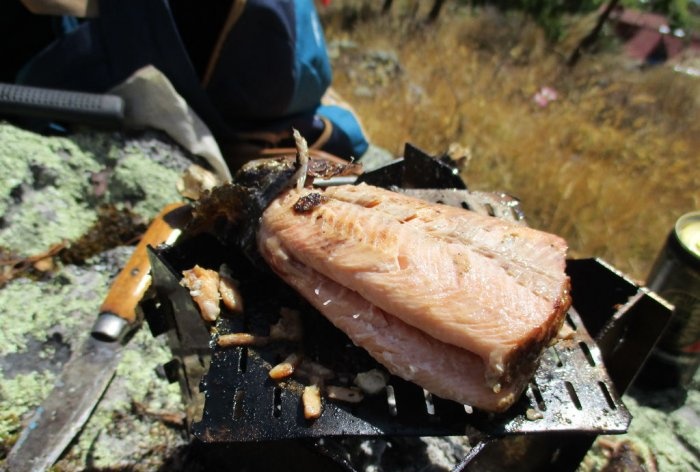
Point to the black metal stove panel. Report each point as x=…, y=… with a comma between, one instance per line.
x=571, y=390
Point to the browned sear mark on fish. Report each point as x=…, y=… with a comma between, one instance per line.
x=308, y=202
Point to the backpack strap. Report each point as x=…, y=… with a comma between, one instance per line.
x=237, y=7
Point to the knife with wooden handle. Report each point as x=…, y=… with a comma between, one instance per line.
x=87, y=374
x=118, y=310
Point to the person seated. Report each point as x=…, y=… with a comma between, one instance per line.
x=252, y=70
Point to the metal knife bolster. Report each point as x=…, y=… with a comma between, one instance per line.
x=110, y=327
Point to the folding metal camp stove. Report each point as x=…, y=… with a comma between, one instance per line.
x=234, y=410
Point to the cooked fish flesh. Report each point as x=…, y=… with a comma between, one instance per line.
x=203, y=285
x=459, y=303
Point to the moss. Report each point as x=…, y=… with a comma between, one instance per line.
x=37, y=225
x=13, y=174
x=108, y=146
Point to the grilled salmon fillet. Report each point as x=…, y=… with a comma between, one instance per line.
x=459, y=303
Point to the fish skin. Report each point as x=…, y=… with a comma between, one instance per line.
x=495, y=289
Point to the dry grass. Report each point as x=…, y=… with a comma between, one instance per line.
x=609, y=165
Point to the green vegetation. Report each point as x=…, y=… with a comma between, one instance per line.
x=550, y=15
x=678, y=11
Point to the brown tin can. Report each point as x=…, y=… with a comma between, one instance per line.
x=675, y=276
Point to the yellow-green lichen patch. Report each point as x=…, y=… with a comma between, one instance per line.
x=33, y=310
x=44, y=191
x=143, y=184
x=50, y=186
x=18, y=394
x=666, y=431
x=111, y=443
x=50, y=191
x=138, y=368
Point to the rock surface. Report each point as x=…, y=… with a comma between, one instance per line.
x=50, y=191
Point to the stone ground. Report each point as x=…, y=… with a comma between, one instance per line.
x=50, y=191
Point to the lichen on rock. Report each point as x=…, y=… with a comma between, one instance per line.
x=51, y=185
x=110, y=443
x=143, y=184
x=18, y=394
x=51, y=188
x=59, y=305
x=44, y=191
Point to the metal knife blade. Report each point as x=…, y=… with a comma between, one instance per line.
x=86, y=376
x=63, y=413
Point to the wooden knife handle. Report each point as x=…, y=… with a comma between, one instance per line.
x=134, y=279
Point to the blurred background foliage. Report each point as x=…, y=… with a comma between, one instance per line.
x=610, y=162
x=549, y=13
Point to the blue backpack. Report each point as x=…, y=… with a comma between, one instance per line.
x=251, y=69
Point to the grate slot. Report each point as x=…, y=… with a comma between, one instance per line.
x=606, y=394
x=429, y=405
x=276, y=402
x=541, y=405
x=391, y=400
x=243, y=360
x=587, y=352
x=574, y=396
x=238, y=400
